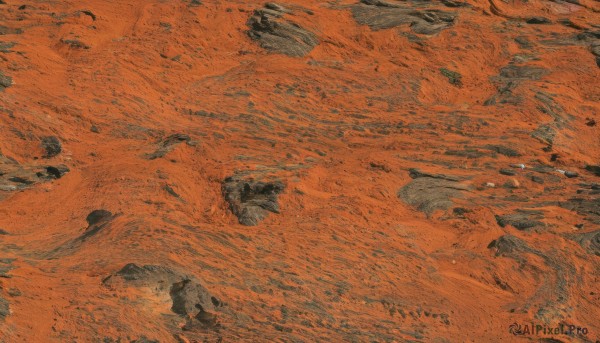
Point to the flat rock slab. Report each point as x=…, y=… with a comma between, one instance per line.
x=431, y=192
x=380, y=15
x=521, y=220
x=279, y=35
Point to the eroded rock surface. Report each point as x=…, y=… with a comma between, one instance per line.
x=271, y=29
x=379, y=15
x=429, y=193
x=250, y=200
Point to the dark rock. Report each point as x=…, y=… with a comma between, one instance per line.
x=460, y=211
x=189, y=298
x=586, y=207
x=251, y=200
x=74, y=43
x=278, y=35
x=193, y=300
x=453, y=77
x=168, y=144
x=171, y=191
x=18, y=179
x=431, y=193
x=454, y=3
x=538, y=20
x=545, y=133
x=537, y=179
x=594, y=169
x=133, y=272
x=508, y=172
x=571, y=174
x=52, y=146
x=416, y=173
x=524, y=42
x=503, y=150
x=5, y=81
x=89, y=13
x=58, y=171
x=522, y=219
x=97, y=220
x=508, y=245
x=98, y=216
x=379, y=15
x=568, y=23
x=380, y=166
x=277, y=7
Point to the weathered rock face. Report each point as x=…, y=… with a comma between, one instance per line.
x=189, y=298
x=52, y=146
x=193, y=300
x=522, y=220
x=97, y=220
x=379, y=15
x=250, y=200
x=429, y=192
x=511, y=77
x=276, y=34
x=551, y=296
x=589, y=207
x=15, y=176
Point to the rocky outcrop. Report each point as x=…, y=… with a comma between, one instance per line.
x=522, y=219
x=379, y=15
x=275, y=33
x=51, y=145
x=15, y=176
x=97, y=220
x=250, y=200
x=190, y=299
